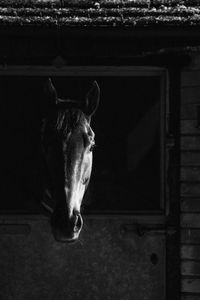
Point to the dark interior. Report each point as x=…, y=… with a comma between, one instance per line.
x=126, y=168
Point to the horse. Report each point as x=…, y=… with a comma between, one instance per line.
x=68, y=142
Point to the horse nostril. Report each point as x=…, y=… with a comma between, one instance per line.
x=66, y=229
x=78, y=222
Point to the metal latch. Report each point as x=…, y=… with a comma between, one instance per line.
x=150, y=229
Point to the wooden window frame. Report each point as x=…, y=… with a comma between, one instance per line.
x=137, y=71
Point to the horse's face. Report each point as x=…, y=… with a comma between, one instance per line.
x=68, y=142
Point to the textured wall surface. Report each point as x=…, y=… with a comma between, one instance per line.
x=107, y=263
x=134, y=13
x=190, y=180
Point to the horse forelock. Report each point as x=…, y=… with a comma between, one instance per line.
x=69, y=119
x=63, y=122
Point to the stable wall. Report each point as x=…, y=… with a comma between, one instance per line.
x=190, y=180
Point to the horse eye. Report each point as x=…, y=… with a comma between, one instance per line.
x=85, y=181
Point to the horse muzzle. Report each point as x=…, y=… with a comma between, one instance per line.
x=66, y=229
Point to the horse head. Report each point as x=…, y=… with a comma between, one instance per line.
x=68, y=141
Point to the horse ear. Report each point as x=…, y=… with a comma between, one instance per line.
x=92, y=100
x=50, y=91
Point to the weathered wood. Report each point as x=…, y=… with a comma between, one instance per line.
x=190, y=143
x=190, y=220
x=190, y=95
x=190, y=297
x=190, y=174
x=190, y=78
x=190, y=189
x=190, y=236
x=195, y=62
x=190, y=252
x=190, y=285
x=188, y=112
x=189, y=158
x=190, y=204
x=189, y=127
x=190, y=268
